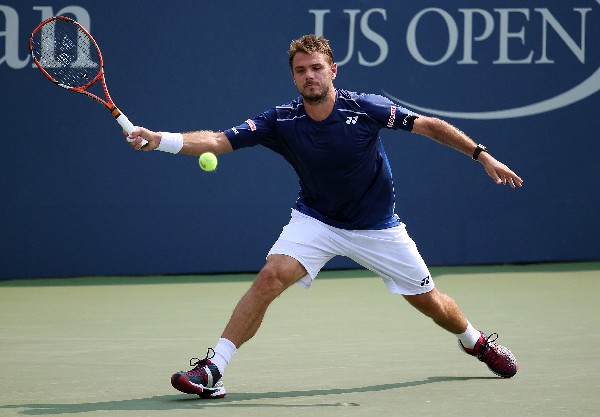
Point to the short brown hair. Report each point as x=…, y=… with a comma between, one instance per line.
x=310, y=44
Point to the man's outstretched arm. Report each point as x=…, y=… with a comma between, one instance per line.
x=447, y=134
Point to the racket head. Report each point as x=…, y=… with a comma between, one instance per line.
x=69, y=56
x=66, y=53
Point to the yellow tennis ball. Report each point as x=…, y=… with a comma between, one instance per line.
x=208, y=161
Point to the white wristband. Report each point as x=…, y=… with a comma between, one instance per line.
x=170, y=142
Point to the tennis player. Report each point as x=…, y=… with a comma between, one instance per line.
x=345, y=206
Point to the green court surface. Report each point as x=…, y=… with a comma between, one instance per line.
x=107, y=346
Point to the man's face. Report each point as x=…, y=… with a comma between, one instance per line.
x=313, y=76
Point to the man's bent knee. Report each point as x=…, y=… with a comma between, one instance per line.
x=279, y=273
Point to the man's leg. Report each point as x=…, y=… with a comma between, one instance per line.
x=441, y=308
x=444, y=311
x=278, y=274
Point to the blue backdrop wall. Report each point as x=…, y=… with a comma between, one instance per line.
x=520, y=77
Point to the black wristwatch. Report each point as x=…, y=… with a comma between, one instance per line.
x=480, y=148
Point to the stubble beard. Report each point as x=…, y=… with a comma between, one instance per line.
x=316, y=98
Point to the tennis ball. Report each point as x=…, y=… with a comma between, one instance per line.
x=208, y=161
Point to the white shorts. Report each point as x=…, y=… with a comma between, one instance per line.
x=390, y=253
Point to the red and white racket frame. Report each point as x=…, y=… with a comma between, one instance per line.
x=108, y=103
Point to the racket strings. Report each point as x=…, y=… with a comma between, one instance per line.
x=66, y=53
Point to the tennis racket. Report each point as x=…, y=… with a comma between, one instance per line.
x=69, y=56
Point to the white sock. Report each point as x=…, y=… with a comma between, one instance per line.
x=470, y=336
x=224, y=350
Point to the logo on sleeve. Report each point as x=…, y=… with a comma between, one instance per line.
x=251, y=124
x=392, y=118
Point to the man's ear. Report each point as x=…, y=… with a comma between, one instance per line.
x=333, y=71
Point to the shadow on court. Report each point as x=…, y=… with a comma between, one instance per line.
x=184, y=402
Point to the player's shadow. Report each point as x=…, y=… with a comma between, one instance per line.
x=238, y=400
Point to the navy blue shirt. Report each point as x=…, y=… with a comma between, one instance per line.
x=345, y=177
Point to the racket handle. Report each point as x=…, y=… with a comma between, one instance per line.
x=128, y=127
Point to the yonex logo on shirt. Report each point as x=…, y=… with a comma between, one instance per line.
x=351, y=120
x=251, y=124
x=392, y=118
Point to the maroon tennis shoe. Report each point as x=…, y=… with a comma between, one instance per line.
x=498, y=358
x=203, y=380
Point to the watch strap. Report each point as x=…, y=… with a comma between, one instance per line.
x=480, y=148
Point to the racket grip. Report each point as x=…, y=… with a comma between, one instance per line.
x=128, y=127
